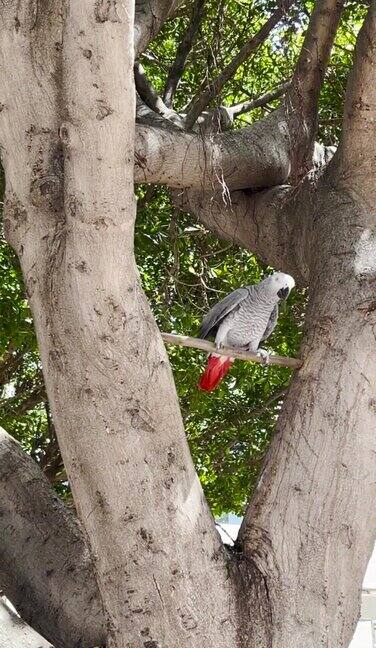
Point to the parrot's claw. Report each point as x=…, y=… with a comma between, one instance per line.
x=264, y=355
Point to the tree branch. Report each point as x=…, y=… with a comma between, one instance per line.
x=182, y=52
x=258, y=102
x=205, y=345
x=253, y=157
x=149, y=18
x=303, y=95
x=256, y=156
x=105, y=365
x=319, y=469
x=151, y=97
x=45, y=570
x=15, y=633
x=356, y=150
x=203, y=97
x=272, y=223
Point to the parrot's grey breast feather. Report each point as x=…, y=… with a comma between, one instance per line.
x=271, y=324
x=216, y=315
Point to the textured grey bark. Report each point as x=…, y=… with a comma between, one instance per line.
x=302, y=97
x=44, y=554
x=306, y=523
x=14, y=633
x=109, y=383
x=254, y=157
x=271, y=223
x=357, y=152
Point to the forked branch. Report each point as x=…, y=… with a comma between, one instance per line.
x=151, y=97
x=203, y=97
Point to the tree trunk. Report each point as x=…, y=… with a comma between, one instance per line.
x=70, y=216
x=306, y=530
x=44, y=554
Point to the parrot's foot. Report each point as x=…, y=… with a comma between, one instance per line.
x=264, y=355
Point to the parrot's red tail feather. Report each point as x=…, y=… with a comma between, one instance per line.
x=216, y=369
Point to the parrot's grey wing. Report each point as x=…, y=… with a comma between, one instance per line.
x=271, y=324
x=215, y=316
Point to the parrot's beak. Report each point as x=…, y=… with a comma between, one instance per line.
x=283, y=293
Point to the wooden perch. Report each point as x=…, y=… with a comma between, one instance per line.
x=204, y=345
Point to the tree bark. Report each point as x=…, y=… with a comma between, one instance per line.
x=271, y=223
x=306, y=531
x=14, y=633
x=149, y=18
x=358, y=155
x=302, y=98
x=45, y=569
x=254, y=157
x=108, y=380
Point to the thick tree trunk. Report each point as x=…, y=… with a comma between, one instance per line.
x=307, y=531
x=109, y=383
x=44, y=554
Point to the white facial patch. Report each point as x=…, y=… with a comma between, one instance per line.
x=282, y=280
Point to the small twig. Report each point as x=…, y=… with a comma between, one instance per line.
x=205, y=345
x=182, y=52
x=203, y=97
x=258, y=102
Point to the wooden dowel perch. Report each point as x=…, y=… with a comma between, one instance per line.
x=204, y=345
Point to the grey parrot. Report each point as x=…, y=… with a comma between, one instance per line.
x=243, y=319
